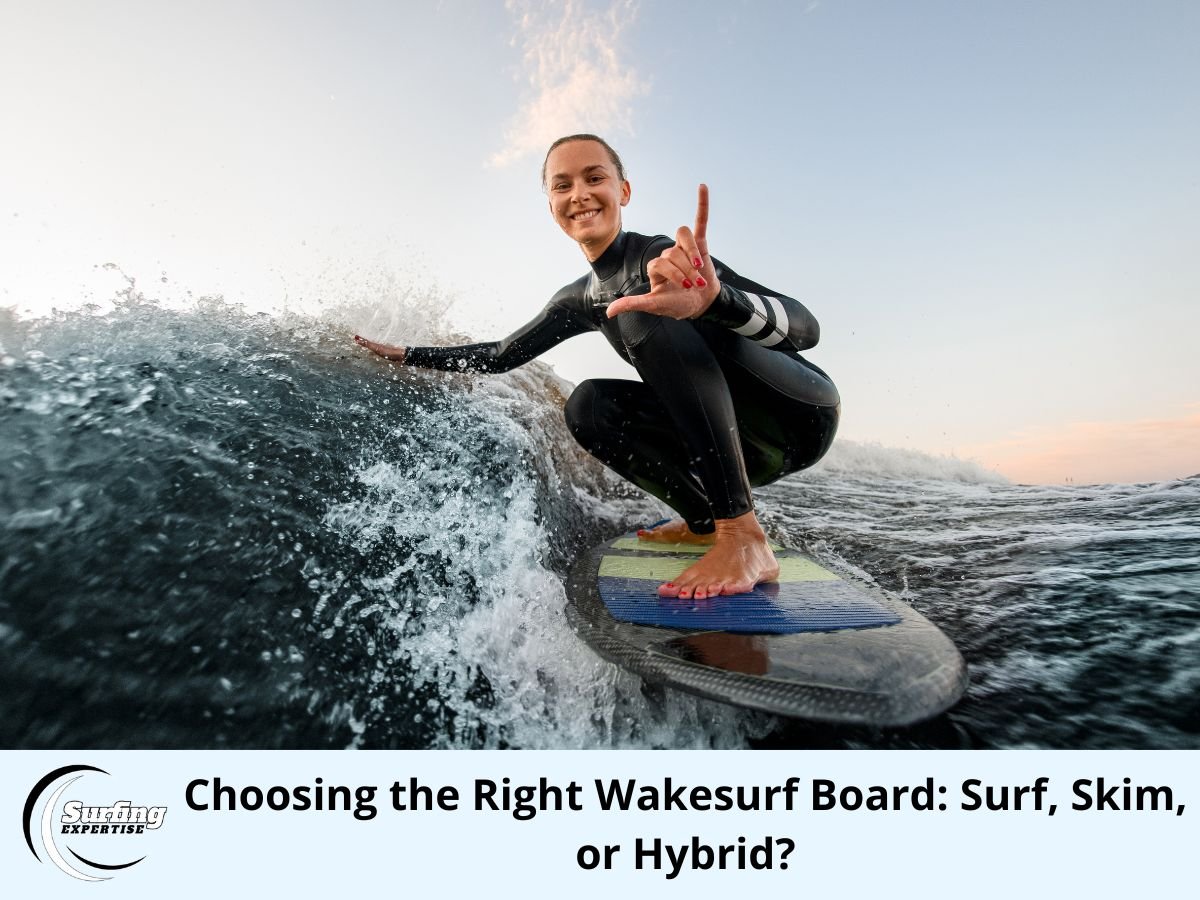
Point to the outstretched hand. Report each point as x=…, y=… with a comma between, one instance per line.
x=385, y=350
x=683, y=281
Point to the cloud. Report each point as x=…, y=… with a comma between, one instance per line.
x=1098, y=452
x=577, y=78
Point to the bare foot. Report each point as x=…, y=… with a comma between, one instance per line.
x=739, y=559
x=674, y=532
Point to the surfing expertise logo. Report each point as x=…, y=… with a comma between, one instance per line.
x=116, y=822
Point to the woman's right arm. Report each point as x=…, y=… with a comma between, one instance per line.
x=553, y=325
x=387, y=351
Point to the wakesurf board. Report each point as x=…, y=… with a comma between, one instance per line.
x=813, y=646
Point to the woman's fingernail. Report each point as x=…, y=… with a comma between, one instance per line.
x=687, y=282
x=697, y=262
x=700, y=282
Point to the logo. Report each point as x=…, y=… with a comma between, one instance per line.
x=112, y=826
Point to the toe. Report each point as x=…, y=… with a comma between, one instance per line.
x=670, y=589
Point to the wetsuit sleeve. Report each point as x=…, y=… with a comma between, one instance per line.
x=553, y=325
x=764, y=316
x=761, y=314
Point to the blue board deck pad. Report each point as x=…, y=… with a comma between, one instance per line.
x=806, y=597
x=768, y=609
x=812, y=645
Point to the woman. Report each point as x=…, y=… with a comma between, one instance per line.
x=725, y=401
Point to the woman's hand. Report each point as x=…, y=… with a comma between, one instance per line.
x=384, y=350
x=683, y=282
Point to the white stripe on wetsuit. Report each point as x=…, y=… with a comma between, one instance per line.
x=761, y=319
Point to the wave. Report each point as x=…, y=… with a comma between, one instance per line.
x=233, y=528
x=871, y=459
x=246, y=517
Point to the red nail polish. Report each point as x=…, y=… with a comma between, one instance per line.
x=700, y=282
x=670, y=584
x=641, y=531
x=687, y=283
x=696, y=262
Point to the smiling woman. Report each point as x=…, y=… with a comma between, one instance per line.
x=726, y=400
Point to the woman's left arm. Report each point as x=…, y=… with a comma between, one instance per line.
x=687, y=283
x=764, y=316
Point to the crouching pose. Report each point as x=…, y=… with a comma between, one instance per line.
x=725, y=403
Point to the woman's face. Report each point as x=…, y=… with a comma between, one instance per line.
x=586, y=194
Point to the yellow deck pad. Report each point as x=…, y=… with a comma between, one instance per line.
x=791, y=568
x=651, y=547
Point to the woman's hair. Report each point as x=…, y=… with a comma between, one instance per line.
x=612, y=154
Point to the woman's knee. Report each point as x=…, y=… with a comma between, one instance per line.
x=639, y=327
x=592, y=413
x=578, y=411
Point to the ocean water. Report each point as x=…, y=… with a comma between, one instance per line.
x=227, y=529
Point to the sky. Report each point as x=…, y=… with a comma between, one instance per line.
x=992, y=208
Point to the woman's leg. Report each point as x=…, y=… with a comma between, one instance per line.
x=708, y=421
x=623, y=424
x=676, y=362
x=683, y=373
x=787, y=409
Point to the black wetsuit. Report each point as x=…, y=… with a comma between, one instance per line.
x=726, y=401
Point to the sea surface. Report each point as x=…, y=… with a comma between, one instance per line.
x=230, y=529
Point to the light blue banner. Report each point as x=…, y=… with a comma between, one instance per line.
x=354, y=822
